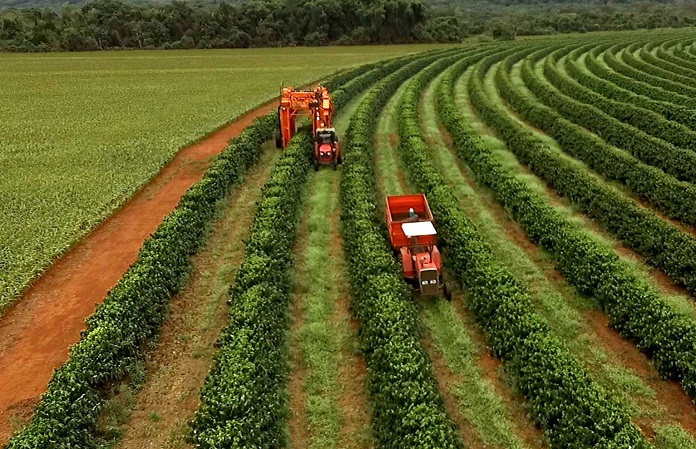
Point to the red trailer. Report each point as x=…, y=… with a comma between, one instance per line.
x=413, y=237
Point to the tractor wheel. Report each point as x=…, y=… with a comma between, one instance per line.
x=279, y=140
x=340, y=160
x=447, y=291
x=316, y=165
x=335, y=164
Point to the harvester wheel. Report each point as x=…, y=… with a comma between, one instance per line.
x=316, y=165
x=340, y=160
x=279, y=140
x=447, y=291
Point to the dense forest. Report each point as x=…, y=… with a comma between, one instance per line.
x=116, y=24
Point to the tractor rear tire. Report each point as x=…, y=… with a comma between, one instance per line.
x=447, y=291
x=316, y=165
x=279, y=140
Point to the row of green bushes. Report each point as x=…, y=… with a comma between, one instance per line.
x=676, y=72
x=642, y=119
x=675, y=198
x=678, y=162
x=640, y=83
x=680, y=56
x=135, y=308
x=680, y=65
x=648, y=73
x=608, y=89
x=663, y=244
x=633, y=306
x=563, y=400
x=243, y=399
x=407, y=408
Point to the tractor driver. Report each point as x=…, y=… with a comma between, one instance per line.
x=412, y=215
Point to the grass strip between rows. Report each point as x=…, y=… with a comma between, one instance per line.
x=633, y=307
x=645, y=120
x=610, y=68
x=663, y=244
x=573, y=410
x=674, y=198
x=607, y=89
x=678, y=162
x=243, y=399
x=136, y=307
x=408, y=410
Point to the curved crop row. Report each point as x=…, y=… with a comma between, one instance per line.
x=661, y=243
x=135, y=308
x=640, y=118
x=615, y=62
x=243, y=403
x=675, y=198
x=563, y=400
x=634, y=308
x=677, y=73
x=608, y=89
x=654, y=75
x=408, y=411
x=684, y=66
x=677, y=162
x=681, y=55
x=610, y=68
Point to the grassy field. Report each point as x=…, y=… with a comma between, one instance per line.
x=79, y=133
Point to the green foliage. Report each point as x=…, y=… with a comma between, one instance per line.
x=243, y=402
x=674, y=198
x=634, y=80
x=599, y=84
x=563, y=400
x=136, y=307
x=640, y=118
x=640, y=70
x=678, y=162
x=408, y=411
x=633, y=307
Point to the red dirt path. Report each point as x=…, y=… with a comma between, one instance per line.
x=36, y=334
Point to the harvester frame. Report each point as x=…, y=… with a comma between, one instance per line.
x=318, y=104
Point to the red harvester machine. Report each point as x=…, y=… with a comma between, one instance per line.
x=413, y=236
x=319, y=105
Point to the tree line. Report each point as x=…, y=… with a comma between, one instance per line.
x=115, y=24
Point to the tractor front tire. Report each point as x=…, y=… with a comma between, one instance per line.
x=447, y=291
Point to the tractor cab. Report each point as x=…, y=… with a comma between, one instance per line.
x=326, y=148
x=425, y=258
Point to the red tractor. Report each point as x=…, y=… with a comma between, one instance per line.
x=319, y=105
x=413, y=237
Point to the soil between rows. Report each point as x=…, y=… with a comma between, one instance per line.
x=36, y=333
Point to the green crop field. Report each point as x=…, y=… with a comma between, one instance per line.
x=79, y=133
x=271, y=310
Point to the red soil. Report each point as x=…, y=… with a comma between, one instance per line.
x=36, y=334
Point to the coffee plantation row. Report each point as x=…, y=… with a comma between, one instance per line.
x=595, y=160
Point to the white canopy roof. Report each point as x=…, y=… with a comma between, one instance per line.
x=418, y=229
